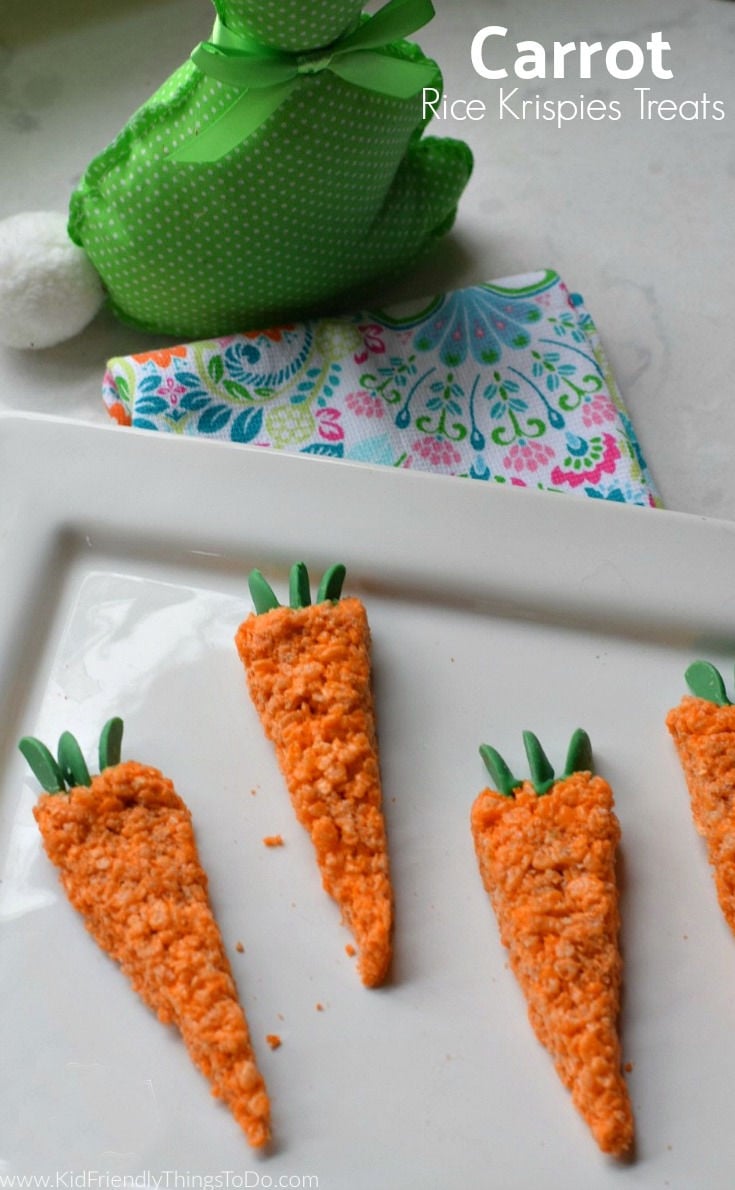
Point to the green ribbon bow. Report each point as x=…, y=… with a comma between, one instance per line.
x=266, y=77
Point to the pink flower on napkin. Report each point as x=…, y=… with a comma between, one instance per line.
x=528, y=456
x=171, y=390
x=588, y=461
x=364, y=404
x=597, y=410
x=436, y=452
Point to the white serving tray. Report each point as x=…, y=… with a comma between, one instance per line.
x=124, y=564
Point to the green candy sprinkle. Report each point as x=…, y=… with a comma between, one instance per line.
x=298, y=586
x=42, y=765
x=579, y=754
x=330, y=588
x=70, y=770
x=71, y=761
x=299, y=592
x=706, y=682
x=579, y=760
x=110, y=746
x=502, y=778
x=542, y=774
x=263, y=595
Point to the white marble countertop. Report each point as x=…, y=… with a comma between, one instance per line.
x=636, y=214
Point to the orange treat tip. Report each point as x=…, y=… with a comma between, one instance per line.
x=548, y=864
x=704, y=735
x=127, y=858
x=309, y=676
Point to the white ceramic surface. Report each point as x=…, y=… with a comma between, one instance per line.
x=124, y=577
x=636, y=214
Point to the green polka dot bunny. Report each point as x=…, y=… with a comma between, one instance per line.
x=275, y=174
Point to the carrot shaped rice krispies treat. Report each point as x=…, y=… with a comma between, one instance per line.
x=124, y=846
x=546, y=850
x=703, y=730
x=309, y=675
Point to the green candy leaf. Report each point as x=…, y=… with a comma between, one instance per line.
x=579, y=754
x=110, y=743
x=706, y=682
x=502, y=778
x=579, y=759
x=331, y=585
x=298, y=586
x=261, y=592
x=42, y=764
x=71, y=762
x=542, y=774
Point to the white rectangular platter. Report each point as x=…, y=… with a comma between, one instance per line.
x=124, y=576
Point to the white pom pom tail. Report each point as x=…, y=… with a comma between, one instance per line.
x=49, y=290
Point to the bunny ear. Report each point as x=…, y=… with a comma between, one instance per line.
x=50, y=288
x=290, y=24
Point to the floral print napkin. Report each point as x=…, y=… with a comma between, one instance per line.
x=504, y=382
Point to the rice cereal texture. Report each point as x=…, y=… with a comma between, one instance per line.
x=548, y=864
x=309, y=676
x=128, y=861
x=704, y=735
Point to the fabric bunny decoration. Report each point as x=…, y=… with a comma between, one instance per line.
x=274, y=174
